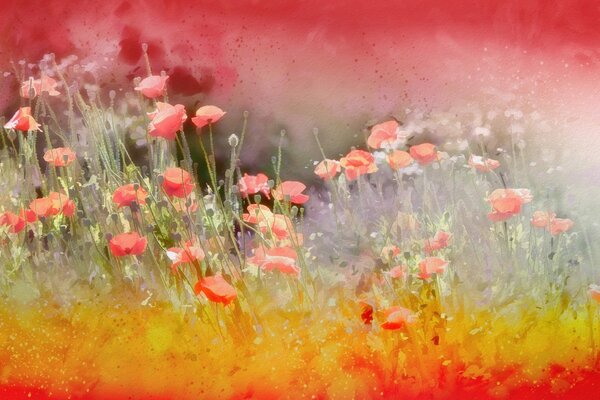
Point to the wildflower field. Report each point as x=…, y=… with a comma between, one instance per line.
x=136, y=264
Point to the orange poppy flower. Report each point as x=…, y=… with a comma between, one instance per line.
x=397, y=317
x=399, y=159
x=55, y=203
x=430, y=266
x=542, y=219
x=357, y=163
x=424, y=153
x=207, y=115
x=177, y=182
x=23, y=121
x=257, y=213
x=189, y=254
x=438, y=242
x=43, y=207
x=216, y=289
x=152, y=86
x=127, y=244
x=127, y=194
x=166, y=121
x=292, y=190
x=594, y=292
x=37, y=86
x=282, y=259
x=507, y=203
x=328, y=169
x=483, y=164
x=15, y=222
x=253, y=184
x=383, y=135
x=60, y=156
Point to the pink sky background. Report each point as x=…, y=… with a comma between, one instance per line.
x=332, y=65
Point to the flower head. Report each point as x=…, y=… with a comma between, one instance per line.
x=60, y=156
x=507, y=203
x=127, y=244
x=424, y=153
x=292, y=190
x=207, y=115
x=32, y=88
x=357, y=163
x=430, y=266
x=439, y=241
x=327, y=169
x=483, y=164
x=216, y=289
x=152, y=86
x=399, y=159
x=397, y=317
x=253, y=184
x=14, y=222
x=127, y=194
x=177, y=182
x=22, y=120
x=166, y=120
x=384, y=135
x=190, y=253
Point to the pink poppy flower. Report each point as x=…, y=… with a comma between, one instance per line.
x=328, y=169
x=438, y=242
x=282, y=259
x=37, y=86
x=542, y=219
x=397, y=272
x=190, y=253
x=177, y=182
x=127, y=244
x=253, y=184
x=424, y=153
x=60, y=156
x=384, y=135
x=216, y=289
x=389, y=252
x=397, y=317
x=292, y=190
x=560, y=225
x=357, y=163
x=430, y=266
x=166, y=120
x=483, y=164
x=207, y=115
x=127, y=194
x=257, y=213
x=22, y=121
x=152, y=86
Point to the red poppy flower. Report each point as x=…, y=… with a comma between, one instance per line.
x=424, y=153
x=357, y=163
x=507, y=203
x=207, y=115
x=253, y=184
x=438, y=242
x=216, y=289
x=189, y=254
x=23, y=121
x=397, y=317
x=152, y=86
x=483, y=164
x=60, y=156
x=292, y=190
x=366, y=312
x=177, y=182
x=166, y=121
x=384, y=135
x=127, y=244
x=328, y=169
x=127, y=194
x=55, y=203
x=37, y=86
x=399, y=159
x=15, y=222
x=430, y=266
x=282, y=259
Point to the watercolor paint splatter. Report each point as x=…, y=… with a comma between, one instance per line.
x=299, y=200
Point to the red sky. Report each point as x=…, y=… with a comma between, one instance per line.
x=332, y=65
